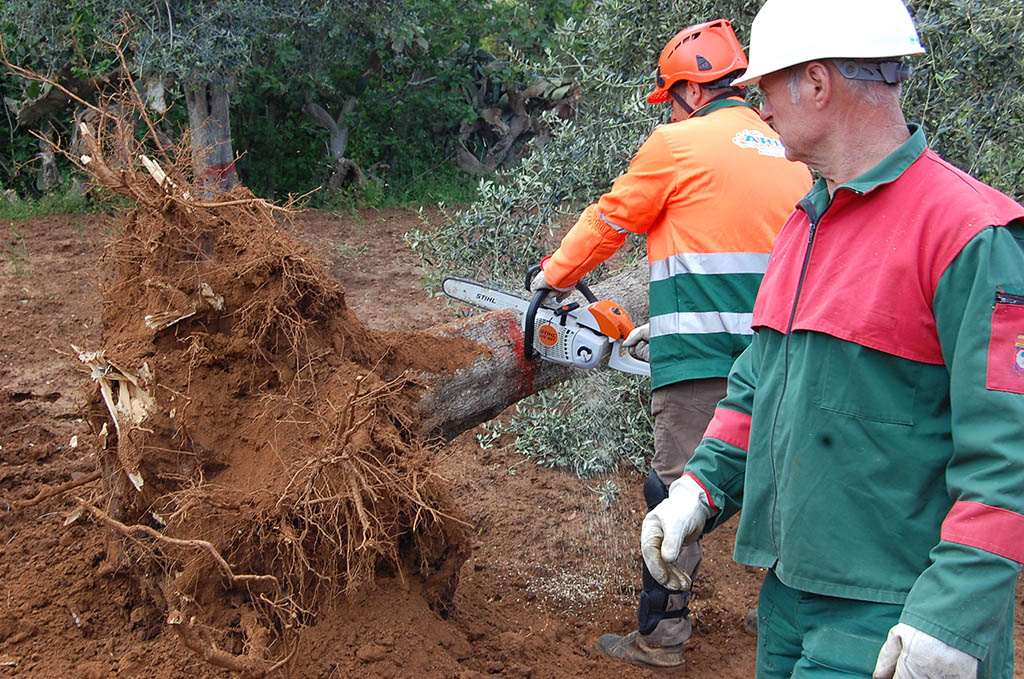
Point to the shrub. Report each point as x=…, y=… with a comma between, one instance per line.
x=590, y=425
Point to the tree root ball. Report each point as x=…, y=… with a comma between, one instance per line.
x=261, y=448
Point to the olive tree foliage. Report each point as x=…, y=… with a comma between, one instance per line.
x=432, y=84
x=966, y=88
x=965, y=91
x=194, y=48
x=611, y=52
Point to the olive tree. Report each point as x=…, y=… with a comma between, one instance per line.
x=196, y=48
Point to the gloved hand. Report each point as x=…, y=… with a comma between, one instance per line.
x=909, y=653
x=638, y=341
x=676, y=521
x=540, y=283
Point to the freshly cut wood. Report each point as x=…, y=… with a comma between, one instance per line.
x=501, y=375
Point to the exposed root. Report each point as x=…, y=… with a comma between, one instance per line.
x=248, y=666
x=47, y=493
x=201, y=545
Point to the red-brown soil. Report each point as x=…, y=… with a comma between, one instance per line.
x=551, y=567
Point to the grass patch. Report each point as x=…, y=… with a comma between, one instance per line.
x=66, y=202
x=344, y=251
x=443, y=184
x=16, y=253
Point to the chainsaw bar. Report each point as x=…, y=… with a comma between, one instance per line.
x=484, y=297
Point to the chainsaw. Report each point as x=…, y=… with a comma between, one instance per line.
x=563, y=333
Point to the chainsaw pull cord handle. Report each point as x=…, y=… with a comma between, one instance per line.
x=529, y=353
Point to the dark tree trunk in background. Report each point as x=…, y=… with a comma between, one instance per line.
x=213, y=159
x=501, y=376
x=49, y=177
x=343, y=170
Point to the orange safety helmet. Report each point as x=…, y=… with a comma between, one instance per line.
x=702, y=54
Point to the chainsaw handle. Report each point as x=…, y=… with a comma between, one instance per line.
x=529, y=353
x=531, y=273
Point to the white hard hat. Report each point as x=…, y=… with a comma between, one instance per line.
x=790, y=32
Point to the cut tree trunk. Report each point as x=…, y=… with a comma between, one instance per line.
x=209, y=121
x=501, y=375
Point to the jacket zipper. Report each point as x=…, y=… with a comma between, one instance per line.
x=1007, y=298
x=814, y=219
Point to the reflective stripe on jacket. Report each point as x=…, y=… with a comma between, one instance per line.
x=710, y=193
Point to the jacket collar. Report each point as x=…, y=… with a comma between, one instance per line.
x=886, y=172
x=711, y=106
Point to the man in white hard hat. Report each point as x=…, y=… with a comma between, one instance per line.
x=873, y=432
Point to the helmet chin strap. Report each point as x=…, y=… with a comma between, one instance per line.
x=682, y=103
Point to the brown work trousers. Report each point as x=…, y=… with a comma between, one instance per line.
x=681, y=414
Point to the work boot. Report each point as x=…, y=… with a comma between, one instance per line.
x=633, y=649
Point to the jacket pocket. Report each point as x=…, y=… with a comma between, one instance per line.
x=1005, y=369
x=868, y=384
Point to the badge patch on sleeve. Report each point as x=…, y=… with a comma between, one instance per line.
x=1006, y=345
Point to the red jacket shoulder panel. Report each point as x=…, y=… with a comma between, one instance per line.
x=878, y=257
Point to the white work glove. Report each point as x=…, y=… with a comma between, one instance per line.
x=909, y=653
x=638, y=341
x=676, y=521
x=540, y=283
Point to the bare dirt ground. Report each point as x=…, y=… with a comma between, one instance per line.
x=551, y=567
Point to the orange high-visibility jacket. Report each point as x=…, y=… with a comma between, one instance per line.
x=711, y=192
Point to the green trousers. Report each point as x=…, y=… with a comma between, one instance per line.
x=809, y=636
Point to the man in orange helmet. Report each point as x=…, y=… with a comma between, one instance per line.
x=710, y=189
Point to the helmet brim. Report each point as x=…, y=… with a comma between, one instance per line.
x=657, y=97
x=748, y=77
x=754, y=74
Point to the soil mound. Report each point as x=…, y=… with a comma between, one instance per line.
x=258, y=447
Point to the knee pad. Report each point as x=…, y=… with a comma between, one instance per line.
x=654, y=490
x=654, y=602
x=654, y=597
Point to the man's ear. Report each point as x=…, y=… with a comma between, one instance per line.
x=694, y=90
x=819, y=83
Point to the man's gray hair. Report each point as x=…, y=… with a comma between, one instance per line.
x=874, y=92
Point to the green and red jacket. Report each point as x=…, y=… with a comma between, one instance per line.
x=711, y=193
x=873, y=432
